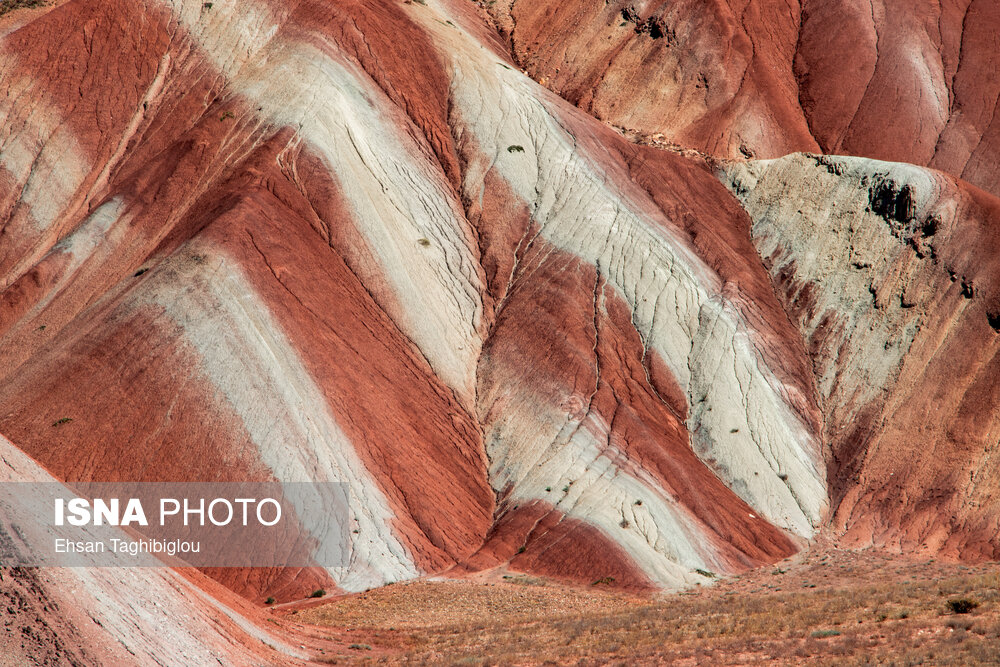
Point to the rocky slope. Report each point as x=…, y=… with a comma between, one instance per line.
x=257, y=263
x=891, y=273
x=902, y=80
x=140, y=615
x=353, y=242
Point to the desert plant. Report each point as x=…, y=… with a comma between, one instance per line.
x=515, y=149
x=318, y=593
x=962, y=605
x=11, y=5
x=823, y=634
x=270, y=600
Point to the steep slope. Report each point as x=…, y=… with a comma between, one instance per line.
x=209, y=307
x=892, y=274
x=716, y=76
x=350, y=242
x=889, y=79
x=573, y=201
x=274, y=252
x=142, y=615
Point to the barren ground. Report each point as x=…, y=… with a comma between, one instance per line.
x=825, y=606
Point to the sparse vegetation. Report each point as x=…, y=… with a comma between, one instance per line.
x=424, y=242
x=736, y=621
x=139, y=273
x=11, y=5
x=227, y=114
x=318, y=593
x=360, y=647
x=515, y=149
x=61, y=421
x=963, y=624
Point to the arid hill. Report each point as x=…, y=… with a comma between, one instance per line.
x=508, y=274
x=902, y=80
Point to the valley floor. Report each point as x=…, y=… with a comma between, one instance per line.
x=825, y=606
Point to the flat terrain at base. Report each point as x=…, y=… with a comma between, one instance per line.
x=822, y=607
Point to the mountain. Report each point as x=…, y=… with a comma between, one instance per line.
x=519, y=276
x=907, y=81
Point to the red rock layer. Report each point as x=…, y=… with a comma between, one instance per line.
x=678, y=188
x=920, y=474
x=892, y=79
x=715, y=76
x=186, y=163
x=565, y=332
x=540, y=539
x=192, y=170
x=408, y=426
x=139, y=409
x=107, y=58
x=161, y=424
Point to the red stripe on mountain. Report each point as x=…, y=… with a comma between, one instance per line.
x=567, y=333
x=419, y=444
x=539, y=539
